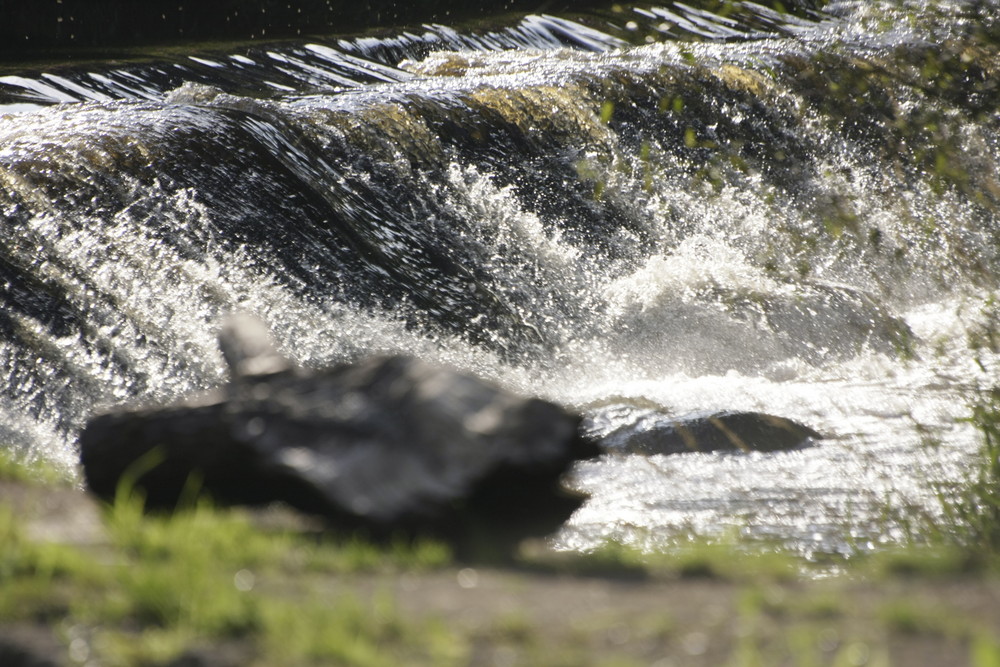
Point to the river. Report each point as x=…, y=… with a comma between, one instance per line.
x=651, y=210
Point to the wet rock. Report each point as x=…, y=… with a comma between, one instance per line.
x=654, y=432
x=387, y=445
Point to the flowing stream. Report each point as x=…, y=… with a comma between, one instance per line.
x=653, y=210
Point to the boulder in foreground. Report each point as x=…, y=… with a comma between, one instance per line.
x=386, y=445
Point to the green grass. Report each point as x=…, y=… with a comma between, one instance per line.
x=964, y=537
x=726, y=559
x=40, y=580
x=211, y=572
x=18, y=468
x=985, y=652
x=972, y=514
x=915, y=618
x=164, y=583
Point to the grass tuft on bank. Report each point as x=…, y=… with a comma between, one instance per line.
x=16, y=467
x=972, y=515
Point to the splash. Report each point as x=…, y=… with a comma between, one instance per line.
x=794, y=215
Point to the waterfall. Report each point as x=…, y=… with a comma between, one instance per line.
x=675, y=210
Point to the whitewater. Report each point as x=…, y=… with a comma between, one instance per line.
x=667, y=212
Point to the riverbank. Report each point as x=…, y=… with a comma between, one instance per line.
x=85, y=584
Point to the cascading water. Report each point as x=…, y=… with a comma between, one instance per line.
x=796, y=216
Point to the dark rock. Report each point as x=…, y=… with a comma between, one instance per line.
x=654, y=432
x=388, y=445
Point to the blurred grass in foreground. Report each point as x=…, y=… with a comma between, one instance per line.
x=156, y=586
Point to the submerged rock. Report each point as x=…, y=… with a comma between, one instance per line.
x=388, y=445
x=654, y=432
